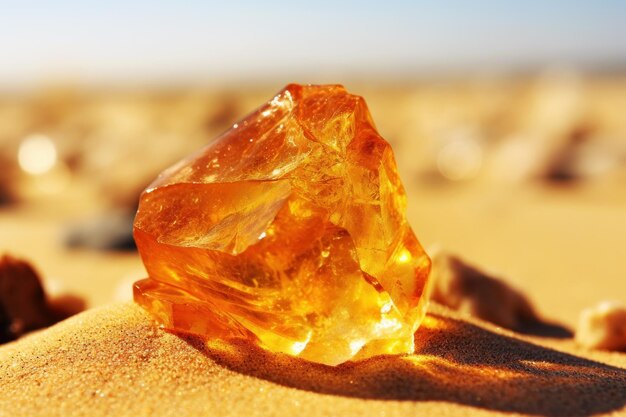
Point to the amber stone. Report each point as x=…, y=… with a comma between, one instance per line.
x=288, y=229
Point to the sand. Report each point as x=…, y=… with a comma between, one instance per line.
x=113, y=361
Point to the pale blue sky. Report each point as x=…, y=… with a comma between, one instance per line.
x=194, y=41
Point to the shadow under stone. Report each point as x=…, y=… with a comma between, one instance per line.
x=455, y=361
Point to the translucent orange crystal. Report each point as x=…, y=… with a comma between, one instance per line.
x=288, y=229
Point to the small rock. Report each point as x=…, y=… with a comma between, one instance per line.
x=23, y=305
x=603, y=326
x=463, y=287
x=584, y=157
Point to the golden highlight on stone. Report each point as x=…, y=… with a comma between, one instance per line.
x=289, y=229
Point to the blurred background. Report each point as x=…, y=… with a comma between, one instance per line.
x=508, y=120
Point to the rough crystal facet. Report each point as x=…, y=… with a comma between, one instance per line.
x=288, y=229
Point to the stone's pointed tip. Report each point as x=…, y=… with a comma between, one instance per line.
x=289, y=230
x=297, y=91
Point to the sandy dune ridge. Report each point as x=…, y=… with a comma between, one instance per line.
x=114, y=361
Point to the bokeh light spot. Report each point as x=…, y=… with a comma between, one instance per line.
x=37, y=154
